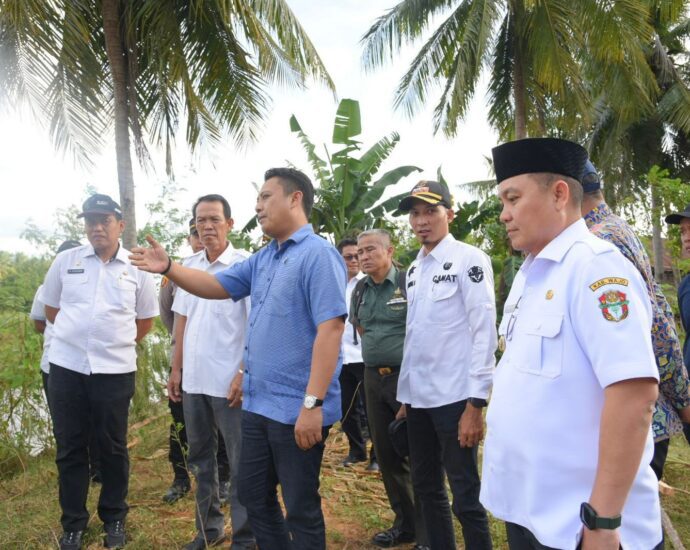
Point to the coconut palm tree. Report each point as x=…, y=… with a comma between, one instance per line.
x=143, y=68
x=537, y=55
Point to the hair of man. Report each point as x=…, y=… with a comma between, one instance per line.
x=547, y=180
x=214, y=198
x=383, y=236
x=346, y=242
x=292, y=180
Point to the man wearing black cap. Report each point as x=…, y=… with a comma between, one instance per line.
x=683, y=220
x=673, y=387
x=447, y=368
x=100, y=306
x=568, y=427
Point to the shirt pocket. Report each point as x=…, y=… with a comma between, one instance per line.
x=222, y=308
x=538, y=346
x=442, y=303
x=127, y=289
x=74, y=288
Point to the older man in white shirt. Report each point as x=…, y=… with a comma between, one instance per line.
x=207, y=362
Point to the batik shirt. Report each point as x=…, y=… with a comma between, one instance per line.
x=673, y=376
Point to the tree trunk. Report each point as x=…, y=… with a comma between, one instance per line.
x=657, y=244
x=118, y=69
x=519, y=82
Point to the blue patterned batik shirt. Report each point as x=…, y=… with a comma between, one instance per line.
x=294, y=287
x=673, y=376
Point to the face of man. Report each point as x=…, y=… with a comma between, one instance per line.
x=349, y=254
x=103, y=231
x=195, y=242
x=685, y=234
x=375, y=258
x=529, y=212
x=212, y=225
x=274, y=208
x=430, y=222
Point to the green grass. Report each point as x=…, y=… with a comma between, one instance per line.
x=354, y=501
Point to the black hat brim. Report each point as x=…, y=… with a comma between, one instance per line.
x=675, y=219
x=99, y=211
x=408, y=202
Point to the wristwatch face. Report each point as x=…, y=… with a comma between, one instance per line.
x=309, y=401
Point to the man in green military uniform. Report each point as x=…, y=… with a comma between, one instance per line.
x=379, y=312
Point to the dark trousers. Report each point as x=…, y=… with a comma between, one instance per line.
x=520, y=538
x=659, y=458
x=382, y=406
x=351, y=388
x=178, y=446
x=434, y=447
x=82, y=404
x=270, y=456
x=94, y=453
x=204, y=417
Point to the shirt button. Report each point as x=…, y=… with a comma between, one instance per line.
x=245, y=347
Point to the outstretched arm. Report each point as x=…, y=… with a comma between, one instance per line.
x=155, y=260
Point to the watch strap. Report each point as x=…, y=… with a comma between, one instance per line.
x=593, y=521
x=477, y=402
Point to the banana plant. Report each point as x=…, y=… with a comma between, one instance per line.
x=348, y=187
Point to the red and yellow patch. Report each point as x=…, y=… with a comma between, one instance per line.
x=613, y=305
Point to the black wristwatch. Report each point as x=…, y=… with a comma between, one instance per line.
x=592, y=521
x=477, y=402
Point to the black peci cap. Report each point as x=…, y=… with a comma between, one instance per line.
x=590, y=178
x=67, y=245
x=192, y=227
x=100, y=204
x=432, y=192
x=539, y=155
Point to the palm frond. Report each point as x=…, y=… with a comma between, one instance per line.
x=399, y=25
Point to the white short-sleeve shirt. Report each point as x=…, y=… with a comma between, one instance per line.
x=38, y=313
x=450, y=337
x=99, y=302
x=577, y=319
x=214, y=334
x=352, y=353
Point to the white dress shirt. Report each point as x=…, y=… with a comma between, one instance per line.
x=214, y=333
x=95, y=329
x=451, y=326
x=577, y=319
x=352, y=353
x=38, y=313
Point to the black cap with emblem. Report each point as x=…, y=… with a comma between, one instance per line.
x=431, y=192
x=677, y=217
x=539, y=155
x=100, y=204
x=192, y=227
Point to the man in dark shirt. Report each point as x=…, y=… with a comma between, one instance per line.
x=379, y=315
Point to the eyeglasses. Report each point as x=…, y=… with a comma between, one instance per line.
x=512, y=320
x=350, y=257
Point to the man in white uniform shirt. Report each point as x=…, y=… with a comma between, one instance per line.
x=207, y=361
x=100, y=306
x=352, y=374
x=447, y=366
x=569, y=442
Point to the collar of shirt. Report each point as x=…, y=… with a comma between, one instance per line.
x=390, y=276
x=120, y=255
x=440, y=251
x=298, y=236
x=225, y=258
x=559, y=246
x=597, y=215
x=353, y=281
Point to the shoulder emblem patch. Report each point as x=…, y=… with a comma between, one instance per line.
x=613, y=305
x=476, y=274
x=608, y=281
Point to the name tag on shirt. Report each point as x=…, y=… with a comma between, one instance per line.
x=75, y=271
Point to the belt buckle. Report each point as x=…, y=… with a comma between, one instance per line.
x=384, y=371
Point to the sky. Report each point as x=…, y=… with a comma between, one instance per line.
x=35, y=180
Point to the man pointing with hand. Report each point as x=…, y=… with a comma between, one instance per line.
x=291, y=395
